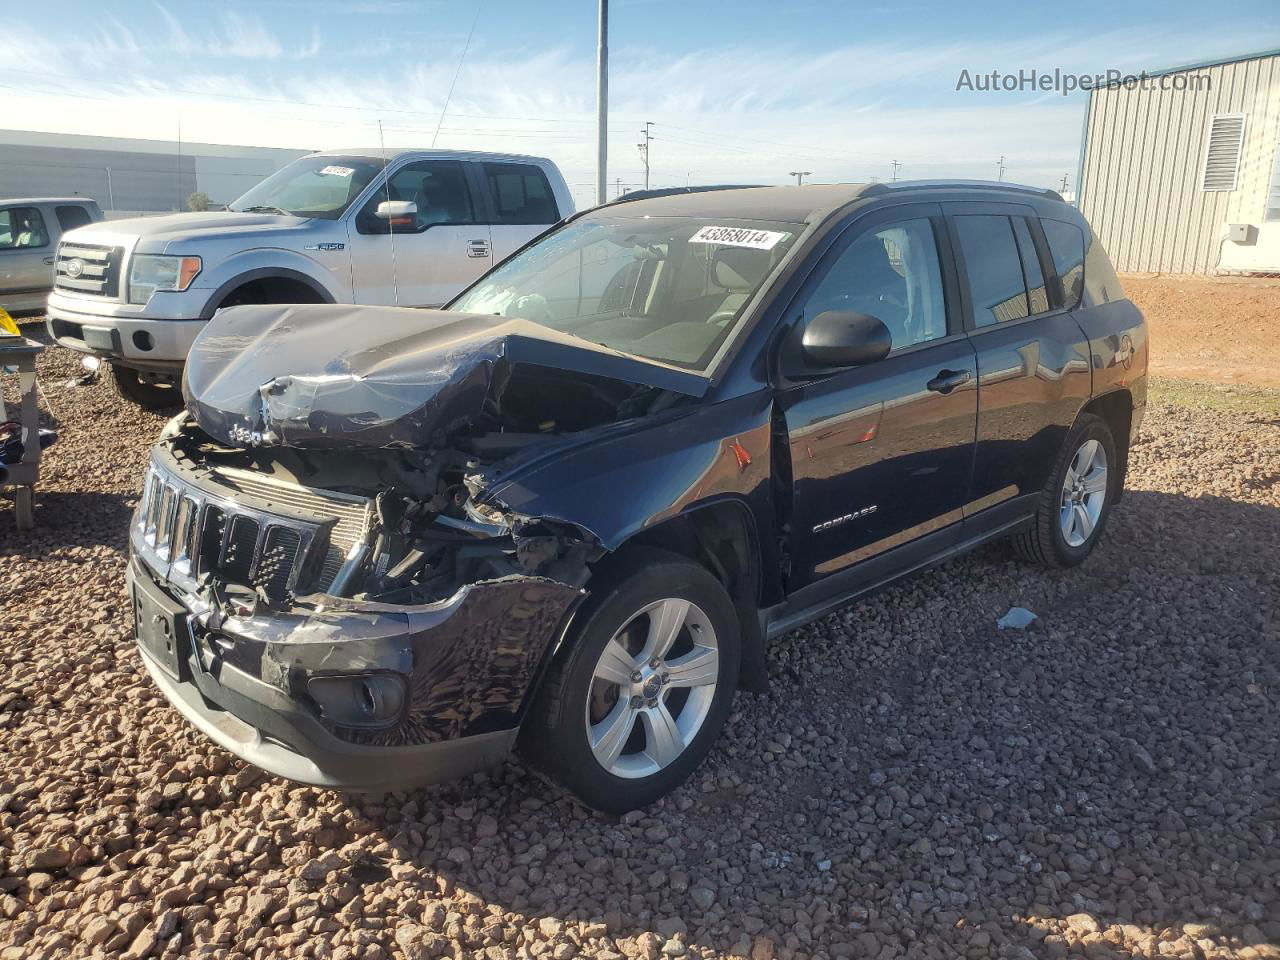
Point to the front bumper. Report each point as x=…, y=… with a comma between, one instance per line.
x=468, y=665
x=114, y=333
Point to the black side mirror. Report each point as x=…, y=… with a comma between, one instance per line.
x=845, y=338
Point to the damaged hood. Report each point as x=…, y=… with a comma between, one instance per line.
x=330, y=376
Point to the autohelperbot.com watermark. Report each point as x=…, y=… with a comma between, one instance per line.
x=1065, y=82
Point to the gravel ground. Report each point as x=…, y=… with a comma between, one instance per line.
x=918, y=783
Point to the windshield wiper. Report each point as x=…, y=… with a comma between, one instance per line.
x=263, y=209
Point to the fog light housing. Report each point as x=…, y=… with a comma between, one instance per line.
x=368, y=701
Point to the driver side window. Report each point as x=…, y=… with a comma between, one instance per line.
x=891, y=273
x=438, y=187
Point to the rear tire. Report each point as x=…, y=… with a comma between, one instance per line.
x=616, y=725
x=133, y=386
x=1076, y=501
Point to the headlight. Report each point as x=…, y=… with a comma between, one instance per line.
x=147, y=274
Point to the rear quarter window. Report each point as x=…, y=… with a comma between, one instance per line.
x=1101, y=285
x=1066, y=246
x=520, y=193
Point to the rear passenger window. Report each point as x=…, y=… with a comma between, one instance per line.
x=893, y=274
x=71, y=217
x=1037, y=295
x=519, y=193
x=1066, y=246
x=993, y=267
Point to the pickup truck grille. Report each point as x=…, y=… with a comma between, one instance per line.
x=289, y=540
x=89, y=269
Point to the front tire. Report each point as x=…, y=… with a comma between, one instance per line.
x=148, y=392
x=642, y=687
x=1076, y=501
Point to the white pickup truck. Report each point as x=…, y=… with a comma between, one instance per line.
x=343, y=226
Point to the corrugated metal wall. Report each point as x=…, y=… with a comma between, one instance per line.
x=1144, y=150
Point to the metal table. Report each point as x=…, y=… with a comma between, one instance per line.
x=21, y=353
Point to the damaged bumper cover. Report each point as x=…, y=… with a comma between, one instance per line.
x=355, y=696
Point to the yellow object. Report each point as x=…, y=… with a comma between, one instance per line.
x=7, y=325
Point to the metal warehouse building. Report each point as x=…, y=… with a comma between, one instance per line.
x=130, y=176
x=1180, y=171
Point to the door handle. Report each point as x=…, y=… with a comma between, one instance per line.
x=49, y=261
x=948, y=380
x=477, y=248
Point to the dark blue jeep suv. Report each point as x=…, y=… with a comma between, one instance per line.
x=564, y=515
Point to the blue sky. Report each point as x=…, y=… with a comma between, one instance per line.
x=738, y=92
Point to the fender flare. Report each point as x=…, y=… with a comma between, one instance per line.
x=263, y=273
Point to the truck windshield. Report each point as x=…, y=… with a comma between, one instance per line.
x=667, y=288
x=320, y=187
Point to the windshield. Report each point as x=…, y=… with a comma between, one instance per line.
x=666, y=288
x=320, y=187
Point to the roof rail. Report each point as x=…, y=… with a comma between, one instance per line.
x=675, y=191
x=963, y=185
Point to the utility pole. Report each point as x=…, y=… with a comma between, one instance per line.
x=602, y=106
x=178, y=189
x=644, y=150
x=799, y=175
x=896, y=165
x=1000, y=169
x=1064, y=185
x=617, y=190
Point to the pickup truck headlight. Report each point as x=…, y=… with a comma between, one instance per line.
x=149, y=273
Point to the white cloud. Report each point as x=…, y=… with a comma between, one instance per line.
x=734, y=113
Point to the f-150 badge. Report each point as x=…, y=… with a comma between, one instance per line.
x=325, y=246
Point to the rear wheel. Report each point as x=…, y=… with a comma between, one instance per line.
x=155, y=391
x=643, y=686
x=1075, y=503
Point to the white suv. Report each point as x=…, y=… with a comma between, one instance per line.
x=330, y=227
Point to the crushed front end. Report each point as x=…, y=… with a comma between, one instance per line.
x=320, y=582
x=253, y=617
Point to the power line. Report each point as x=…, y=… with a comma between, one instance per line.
x=453, y=83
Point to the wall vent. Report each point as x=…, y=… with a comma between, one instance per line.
x=1222, y=151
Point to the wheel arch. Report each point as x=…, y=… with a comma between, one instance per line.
x=261, y=275
x=1115, y=408
x=721, y=536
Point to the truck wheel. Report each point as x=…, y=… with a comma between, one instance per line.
x=1075, y=503
x=642, y=687
x=146, y=391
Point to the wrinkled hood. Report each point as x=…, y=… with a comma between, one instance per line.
x=331, y=376
x=188, y=226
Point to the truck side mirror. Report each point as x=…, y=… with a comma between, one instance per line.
x=395, y=209
x=845, y=338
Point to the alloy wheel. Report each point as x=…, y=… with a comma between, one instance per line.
x=1084, y=493
x=652, y=688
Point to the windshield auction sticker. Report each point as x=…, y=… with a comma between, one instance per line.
x=739, y=237
x=334, y=170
